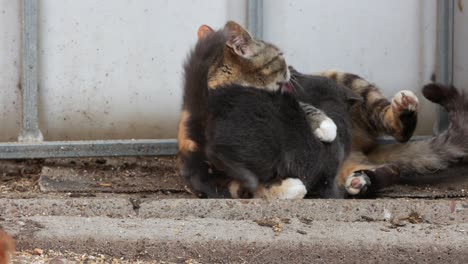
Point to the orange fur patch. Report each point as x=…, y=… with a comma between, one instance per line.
x=184, y=143
x=356, y=161
x=204, y=31
x=391, y=121
x=7, y=246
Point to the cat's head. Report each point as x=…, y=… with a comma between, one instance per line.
x=247, y=61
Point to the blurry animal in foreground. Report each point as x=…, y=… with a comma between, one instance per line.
x=7, y=247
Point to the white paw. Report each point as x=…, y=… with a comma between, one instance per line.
x=234, y=187
x=293, y=189
x=405, y=100
x=357, y=183
x=327, y=131
x=290, y=188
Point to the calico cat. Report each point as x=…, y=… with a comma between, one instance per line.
x=376, y=116
x=259, y=137
x=230, y=56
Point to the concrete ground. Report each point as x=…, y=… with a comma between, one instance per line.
x=161, y=223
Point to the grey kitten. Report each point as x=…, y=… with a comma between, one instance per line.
x=317, y=96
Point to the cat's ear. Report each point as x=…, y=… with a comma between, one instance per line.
x=238, y=39
x=351, y=96
x=204, y=31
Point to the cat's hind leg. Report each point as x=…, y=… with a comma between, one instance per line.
x=203, y=181
x=358, y=176
x=243, y=182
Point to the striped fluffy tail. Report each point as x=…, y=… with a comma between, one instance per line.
x=439, y=152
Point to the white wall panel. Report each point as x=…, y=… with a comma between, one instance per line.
x=111, y=69
x=390, y=43
x=10, y=65
x=460, y=69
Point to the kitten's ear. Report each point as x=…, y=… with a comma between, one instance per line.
x=239, y=39
x=351, y=96
x=204, y=31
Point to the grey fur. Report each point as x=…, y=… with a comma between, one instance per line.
x=439, y=152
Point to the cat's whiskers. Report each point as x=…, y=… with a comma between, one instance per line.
x=296, y=82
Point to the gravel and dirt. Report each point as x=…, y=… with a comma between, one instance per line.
x=137, y=210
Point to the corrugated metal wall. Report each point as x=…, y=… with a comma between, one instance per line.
x=109, y=69
x=112, y=69
x=10, y=65
x=390, y=43
x=460, y=67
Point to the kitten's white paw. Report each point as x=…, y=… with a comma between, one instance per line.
x=290, y=188
x=327, y=131
x=234, y=188
x=357, y=183
x=405, y=100
x=293, y=189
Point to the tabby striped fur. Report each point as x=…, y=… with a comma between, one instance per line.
x=377, y=116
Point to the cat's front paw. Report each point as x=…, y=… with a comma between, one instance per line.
x=326, y=132
x=405, y=109
x=290, y=188
x=357, y=183
x=237, y=192
x=405, y=101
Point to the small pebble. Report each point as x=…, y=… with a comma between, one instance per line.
x=302, y=232
x=38, y=251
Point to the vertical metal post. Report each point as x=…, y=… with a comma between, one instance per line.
x=255, y=18
x=30, y=126
x=445, y=22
